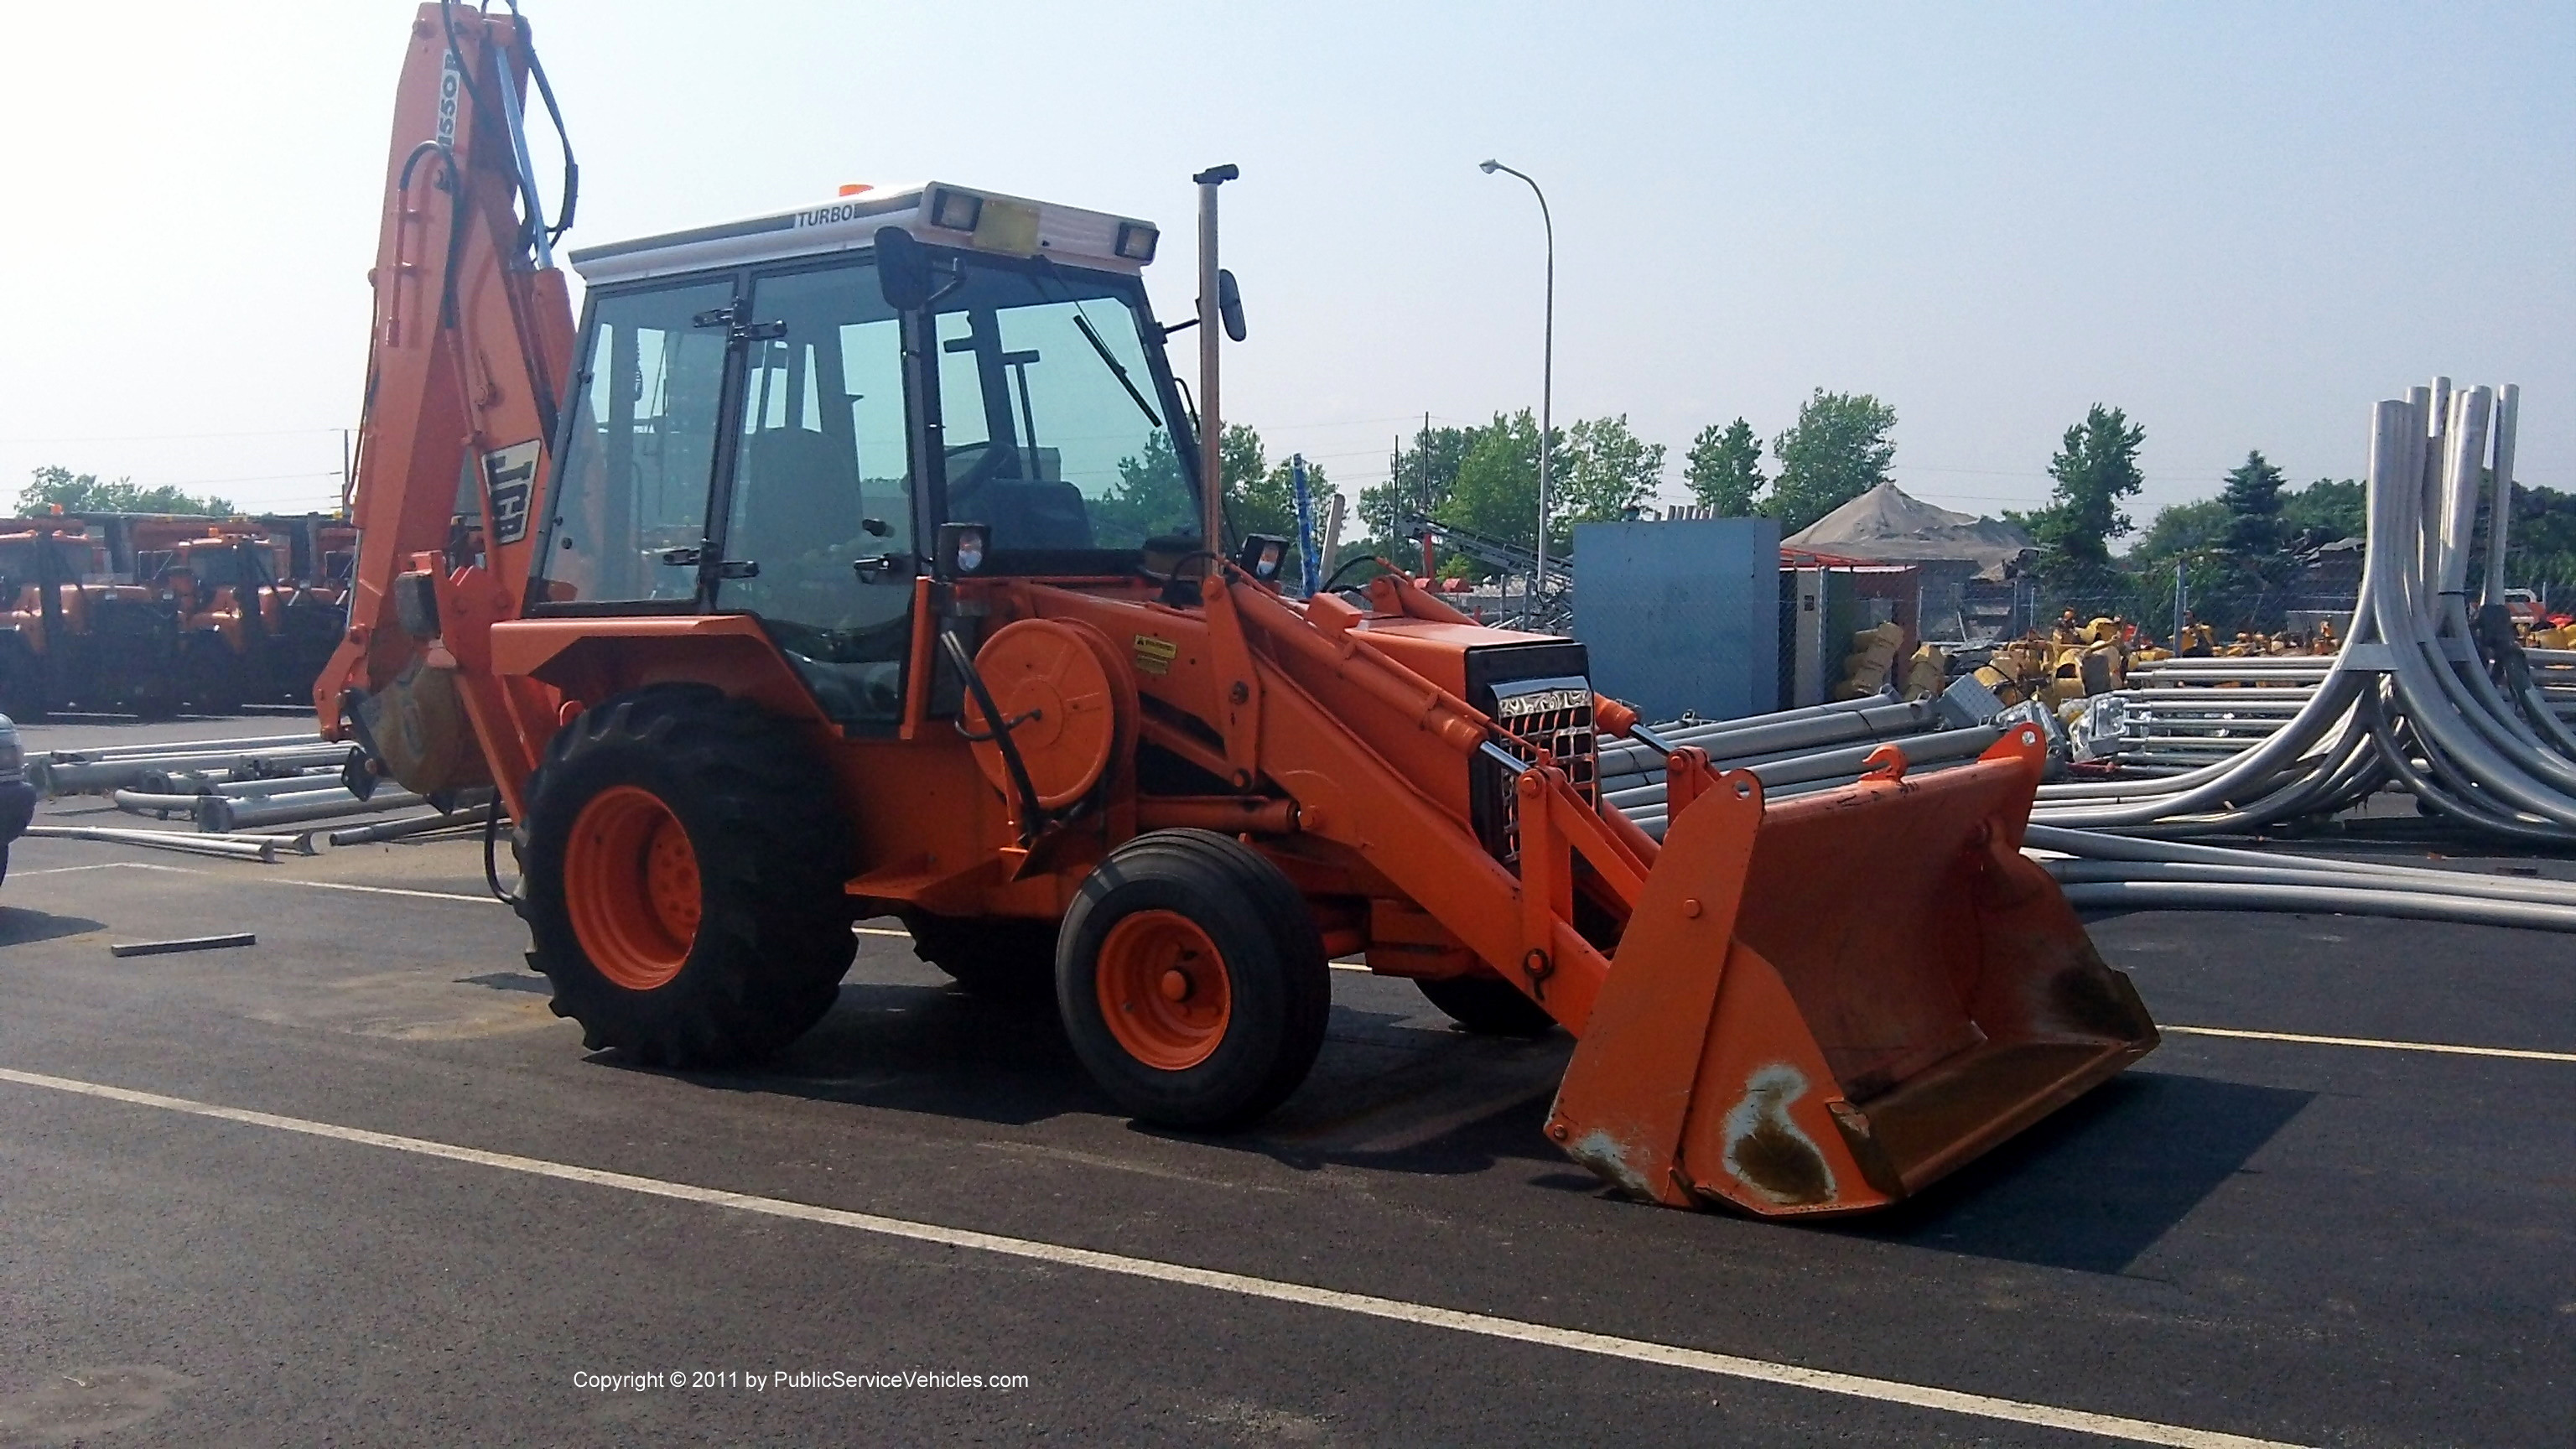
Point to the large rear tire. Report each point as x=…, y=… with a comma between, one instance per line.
x=1192, y=980
x=684, y=860
x=156, y=702
x=22, y=681
x=209, y=675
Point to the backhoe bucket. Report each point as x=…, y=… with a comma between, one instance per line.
x=1827, y=1005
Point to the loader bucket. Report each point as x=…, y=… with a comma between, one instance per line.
x=1824, y=1006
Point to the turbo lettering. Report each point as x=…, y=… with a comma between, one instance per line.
x=827, y=215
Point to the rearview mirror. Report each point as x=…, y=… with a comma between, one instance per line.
x=1229, y=304
x=903, y=269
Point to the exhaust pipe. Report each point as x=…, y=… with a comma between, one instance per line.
x=1211, y=424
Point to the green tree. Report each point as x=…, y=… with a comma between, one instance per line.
x=1419, y=479
x=2540, y=543
x=1496, y=490
x=1836, y=451
x=2182, y=528
x=54, y=487
x=2096, y=466
x=1260, y=497
x=2326, y=510
x=1267, y=503
x=1724, y=468
x=1600, y=471
x=1149, y=494
x=2253, y=500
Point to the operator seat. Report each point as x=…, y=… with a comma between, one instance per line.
x=1024, y=513
x=796, y=493
x=1035, y=515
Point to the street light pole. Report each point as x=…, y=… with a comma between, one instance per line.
x=1546, y=385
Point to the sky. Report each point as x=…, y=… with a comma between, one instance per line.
x=2241, y=223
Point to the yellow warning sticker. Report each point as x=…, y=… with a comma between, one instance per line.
x=1154, y=654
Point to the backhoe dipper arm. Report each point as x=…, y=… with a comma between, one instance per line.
x=471, y=340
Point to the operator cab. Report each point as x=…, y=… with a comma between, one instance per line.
x=756, y=428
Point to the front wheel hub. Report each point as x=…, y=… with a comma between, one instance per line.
x=1163, y=990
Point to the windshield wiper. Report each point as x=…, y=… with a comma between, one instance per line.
x=1082, y=322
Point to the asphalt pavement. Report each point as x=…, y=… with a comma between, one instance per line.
x=356, y=1185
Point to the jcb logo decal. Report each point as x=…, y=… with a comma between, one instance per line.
x=509, y=476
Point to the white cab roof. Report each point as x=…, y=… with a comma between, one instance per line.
x=1008, y=225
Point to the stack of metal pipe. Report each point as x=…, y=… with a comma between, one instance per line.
x=2420, y=697
x=2185, y=713
x=127, y=767
x=2553, y=673
x=2116, y=872
x=237, y=793
x=1797, y=751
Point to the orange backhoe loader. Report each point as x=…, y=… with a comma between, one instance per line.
x=856, y=561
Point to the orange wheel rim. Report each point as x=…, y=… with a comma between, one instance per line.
x=631, y=887
x=1163, y=990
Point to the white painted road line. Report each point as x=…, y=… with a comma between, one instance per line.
x=2517, y=1053
x=108, y=865
x=487, y=898
x=1890, y=1391
x=341, y=885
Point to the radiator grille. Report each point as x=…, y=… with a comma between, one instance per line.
x=1553, y=715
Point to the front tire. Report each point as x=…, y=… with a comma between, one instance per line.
x=683, y=869
x=1192, y=980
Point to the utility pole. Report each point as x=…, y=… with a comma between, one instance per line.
x=1422, y=461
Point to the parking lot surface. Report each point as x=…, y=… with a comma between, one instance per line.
x=356, y=1184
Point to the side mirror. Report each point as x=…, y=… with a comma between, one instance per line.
x=1229, y=304
x=903, y=269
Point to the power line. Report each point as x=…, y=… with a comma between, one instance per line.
x=257, y=478
x=167, y=437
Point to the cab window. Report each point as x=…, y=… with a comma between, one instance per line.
x=1057, y=428
x=819, y=532
x=630, y=506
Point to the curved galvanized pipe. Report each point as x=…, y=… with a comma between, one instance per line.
x=2100, y=872
x=2334, y=900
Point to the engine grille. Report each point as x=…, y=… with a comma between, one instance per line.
x=1550, y=713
